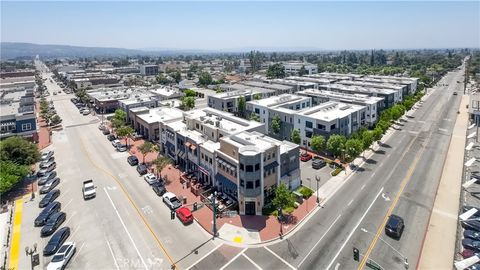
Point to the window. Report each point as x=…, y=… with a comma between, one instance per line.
x=332, y=127
x=210, y=160
x=197, y=125
x=27, y=126
x=297, y=107
x=303, y=104
x=299, y=121
x=268, y=157
x=257, y=183
x=257, y=110
x=241, y=166
x=273, y=155
x=264, y=174
x=263, y=111
x=249, y=168
x=257, y=166
x=308, y=124
x=308, y=134
x=249, y=184
x=242, y=183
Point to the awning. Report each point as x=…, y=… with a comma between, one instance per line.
x=193, y=147
x=225, y=183
x=271, y=165
x=187, y=144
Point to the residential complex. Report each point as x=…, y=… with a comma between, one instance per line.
x=293, y=68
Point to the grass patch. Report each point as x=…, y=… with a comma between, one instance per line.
x=305, y=191
x=336, y=171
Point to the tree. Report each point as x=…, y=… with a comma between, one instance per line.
x=302, y=71
x=318, y=143
x=295, y=137
x=276, y=124
x=10, y=174
x=205, y=79
x=190, y=93
x=283, y=197
x=176, y=75
x=119, y=118
x=125, y=132
x=336, y=144
x=257, y=96
x=276, y=71
x=367, y=139
x=353, y=147
x=19, y=151
x=55, y=120
x=145, y=148
x=161, y=79
x=188, y=103
x=255, y=117
x=383, y=125
x=160, y=163
x=377, y=134
x=241, y=105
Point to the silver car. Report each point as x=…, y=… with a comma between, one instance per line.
x=62, y=256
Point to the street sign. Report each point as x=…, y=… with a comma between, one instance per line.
x=36, y=260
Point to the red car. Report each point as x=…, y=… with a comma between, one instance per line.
x=305, y=156
x=185, y=215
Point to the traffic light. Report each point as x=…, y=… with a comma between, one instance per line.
x=172, y=215
x=356, y=254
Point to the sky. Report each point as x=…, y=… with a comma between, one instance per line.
x=244, y=25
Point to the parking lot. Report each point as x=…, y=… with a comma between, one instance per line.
x=309, y=174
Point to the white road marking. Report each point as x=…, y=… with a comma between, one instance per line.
x=126, y=230
x=280, y=258
x=113, y=255
x=351, y=201
x=329, y=228
x=362, y=187
x=337, y=266
x=250, y=260
x=354, y=229
x=204, y=256
x=233, y=259
x=68, y=220
x=373, y=174
x=78, y=252
x=385, y=197
x=67, y=204
x=147, y=210
x=443, y=129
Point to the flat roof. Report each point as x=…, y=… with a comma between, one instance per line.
x=280, y=100
x=177, y=125
x=330, y=110
x=165, y=91
x=266, y=85
x=210, y=146
x=382, y=85
x=361, y=98
x=256, y=142
x=161, y=114
x=309, y=79
x=358, y=88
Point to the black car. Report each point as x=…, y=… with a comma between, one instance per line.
x=106, y=131
x=56, y=241
x=132, y=160
x=52, y=208
x=53, y=222
x=111, y=137
x=471, y=244
x=394, y=227
x=50, y=197
x=142, y=169
x=50, y=185
x=159, y=188
x=44, y=179
x=318, y=163
x=471, y=225
x=471, y=234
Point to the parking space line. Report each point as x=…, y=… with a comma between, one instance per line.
x=233, y=259
x=63, y=193
x=314, y=246
x=354, y=229
x=126, y=230
x=204, y=256
x=78, y=252
x=67, y=204
x=280, y=258
x=250, y=260
x=68, y=220
x=113, y=255
x=351, y=201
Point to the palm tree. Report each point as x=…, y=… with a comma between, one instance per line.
x=160, y=163
x=125, y=132
x=145, y=148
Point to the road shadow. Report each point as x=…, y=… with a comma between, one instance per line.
x=380, y=152
x=371, y=161
x=385, y=145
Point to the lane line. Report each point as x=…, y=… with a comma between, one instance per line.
x=314, y=246
x=126, y=230
x=354, y=229
x=250, y=260
x=204, y=256
x=233, y=259
x=363, y=186
x=280, y=258
x=351, y=201
x=113, y=255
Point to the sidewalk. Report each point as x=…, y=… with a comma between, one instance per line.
x=440, y=237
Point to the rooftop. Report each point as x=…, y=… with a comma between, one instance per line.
x=330, y=110
x=280, y=100
x=161, y=114
x=253, y=143
x=354, y=97
x=267, y=85
x=165, y=91
x=359, y=88
x=211, y=146
x=383, y=85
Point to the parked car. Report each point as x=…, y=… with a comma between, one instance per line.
x=56, y=241
x=86, y=112
x=44, y=165
x=394, y=227
x=121, y=147
x=472, y=235
x=467, y=253
x=305, y=156
x=142, y=169
x=318, y=163
x=51, y=209
x=62, y=256
x=111, y=137
x=53, y=222
x=471, y=225
x=455, y=93
x=106, y=131
x=50, y=185
x=158, y=188
x=115, y=142
x=47, y=177
x=89, y=190
x=46, y=155
x=471, y=244
x=132, y=160
x=50, y=197
x=150, y=178
x=44, y=171
x=185, y=215
x=171, y=200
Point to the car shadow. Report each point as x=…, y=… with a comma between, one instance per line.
x=371, y=161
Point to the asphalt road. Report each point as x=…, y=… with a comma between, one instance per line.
x=127, y=224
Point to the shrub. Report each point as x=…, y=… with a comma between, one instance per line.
x=336, y=171
x=306, y=192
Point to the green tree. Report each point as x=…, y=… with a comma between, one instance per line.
x=55, y=120
x=119, y=118
x=19, y=151
x=161, y=79
x=276, y=124
x=353, y=148
x=383, y=125
x=188, y=103
x=241, y=105
x=318, y=143
x=283, y=197
x=335, y=144
x=254, y=117
x=125, y=132
x=205, y=79
x=276, y=71
x=176, y=75
x=10, y=174
x=367, y=139
x=160, y=163
x=257, y=96
x=302, y=71
x=190, y=93
x=145, y=148
x=377, y=134
x=295, y=136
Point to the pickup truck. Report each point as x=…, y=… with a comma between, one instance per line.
x=88, y=189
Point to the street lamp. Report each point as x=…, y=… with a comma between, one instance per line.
x=279, y=210
x=318, y=181
x=30, y=252
x=214, y=207
x=405, y=263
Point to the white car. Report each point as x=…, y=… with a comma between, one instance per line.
x=121, y=147
x=46, y=155
x=150, y=178
x=171, y=200
x=86, y=112
x=62, y=256
x=115, y=143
